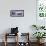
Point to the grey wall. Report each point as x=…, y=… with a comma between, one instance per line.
x=24, y=23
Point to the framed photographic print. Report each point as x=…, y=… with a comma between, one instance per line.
x=17, y=13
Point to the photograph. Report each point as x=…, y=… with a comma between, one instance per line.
x=17, y=13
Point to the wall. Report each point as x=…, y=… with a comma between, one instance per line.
x=24, y=23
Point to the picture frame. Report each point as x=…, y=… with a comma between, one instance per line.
x=17, y=13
